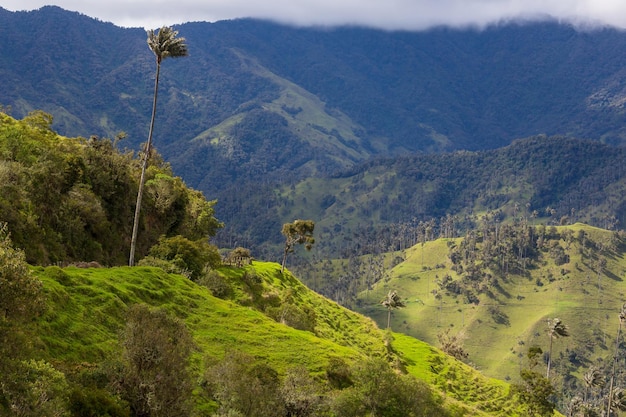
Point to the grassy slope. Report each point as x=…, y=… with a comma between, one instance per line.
x=86, y=310
x=495, y=348
x=331, y=132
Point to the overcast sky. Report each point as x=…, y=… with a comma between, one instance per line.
x=387, y=14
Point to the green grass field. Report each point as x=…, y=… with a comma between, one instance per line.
x=86, y=311
x=587, y=303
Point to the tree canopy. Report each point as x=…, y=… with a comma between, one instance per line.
x=72, y=199
x=300, y=232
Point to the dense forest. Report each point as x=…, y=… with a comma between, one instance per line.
x=258, y=105
x=69, y=200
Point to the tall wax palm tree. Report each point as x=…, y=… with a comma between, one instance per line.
x=556, y=329
x=392, y=301
x=164, y=44
x=611, y=397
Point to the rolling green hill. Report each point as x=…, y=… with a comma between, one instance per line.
x=86, y=310
x=576, y=275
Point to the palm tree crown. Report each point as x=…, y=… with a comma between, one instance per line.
x=166, y=44
x=392, y=301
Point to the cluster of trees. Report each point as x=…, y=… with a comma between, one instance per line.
x=28, y=387
x=151, y=373
x=600, y=395
x=240, y=385
x=488, y=255
x=68, y=200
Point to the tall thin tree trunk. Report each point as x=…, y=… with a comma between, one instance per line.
x=610, y=400
x=549, y=359
x=144, y=164
x=282, y=266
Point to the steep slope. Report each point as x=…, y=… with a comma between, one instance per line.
x=86, y=310
x=575, y=274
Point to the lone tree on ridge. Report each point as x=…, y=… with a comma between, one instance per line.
x=556, y=329
x=164, y=44
x=297, y=233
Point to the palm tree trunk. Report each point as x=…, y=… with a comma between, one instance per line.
x=144, y=164
x=282, y=266
x=549, y=359
x=610, y=400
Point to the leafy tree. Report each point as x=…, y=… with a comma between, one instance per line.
x=243, y=387
x=186, y=256
x=556, y=329
x=338, y=373
x=164, y=44
x=534, y=355
x=391, y=302
x=301, y=394
x=300, y=232
x=21, y=300
x=452, y=345
x=380, y=391
x=22, y=297
x=535, y=391
x=35, y=389
x=239, y=256
x=153, y=376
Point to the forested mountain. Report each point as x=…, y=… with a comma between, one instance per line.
x=256, y=103
x=387, y=203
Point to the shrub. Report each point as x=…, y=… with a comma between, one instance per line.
x=153, y=376
x=187, y=255
x=218, y=286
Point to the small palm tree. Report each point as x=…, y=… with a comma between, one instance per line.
x=392, y=301
x=164, y=44
x=592, y=380
x=556, y=329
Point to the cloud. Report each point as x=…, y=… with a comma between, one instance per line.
x=386, y=14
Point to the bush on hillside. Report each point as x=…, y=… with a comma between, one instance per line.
x=181, y=255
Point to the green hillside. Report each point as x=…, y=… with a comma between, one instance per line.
x=385, y=204
x=500, y=308
x=86, y=310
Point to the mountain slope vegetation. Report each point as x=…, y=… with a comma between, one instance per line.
x=83, y=338
x=387, y=203
x=72, y=199
x=497, y=288
x=256, y=103
x=86, y=310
